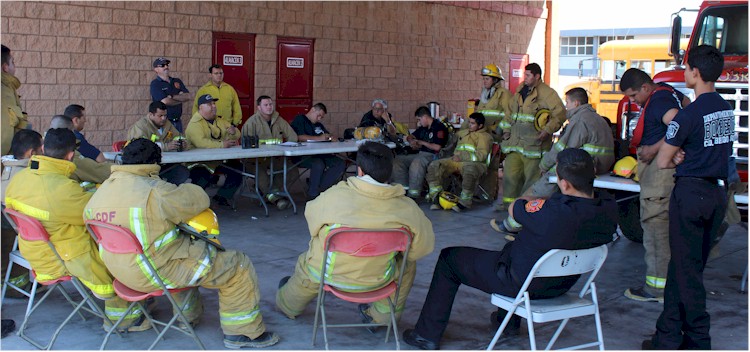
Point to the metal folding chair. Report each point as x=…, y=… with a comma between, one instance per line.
x=363, y=243
x=30, y=229
x=557, y=262
x=119, y=240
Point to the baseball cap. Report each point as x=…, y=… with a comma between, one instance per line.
x=205, y=98
x=161, y=61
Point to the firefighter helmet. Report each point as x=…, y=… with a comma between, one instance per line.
x=206, y=224
x=371, y=132
x=447, y=200
x=541, y=118
x=626, y=167
x=493, y=71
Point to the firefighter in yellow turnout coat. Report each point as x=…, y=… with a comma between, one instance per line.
x=494, y=100
x=586, y=130
x=469, y=159
x=525, y=143
x=134, y=197
x=45, y=192
x=365, y=201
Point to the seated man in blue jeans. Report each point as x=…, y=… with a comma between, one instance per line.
x=326, y=169
x=590, y=220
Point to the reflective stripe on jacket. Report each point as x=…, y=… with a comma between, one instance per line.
x=360, y=204
x=134, y=197
x=523, y=134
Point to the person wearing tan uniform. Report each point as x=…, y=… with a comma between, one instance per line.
x=363, y=201
x=494, y=100
x=270, y=128
x=45, y=192
x=469, y=159
x=524, y=144
x=151, y=208
x=156, y=127
x=205, y=131
x=659, y=103
x=586, y=130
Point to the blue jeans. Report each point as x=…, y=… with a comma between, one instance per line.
x=325, y=170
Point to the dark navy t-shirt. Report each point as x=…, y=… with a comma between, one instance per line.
x=160, y=89
x=660, y=102
x=85, y=148
x=705, y=131
x=302, y=125
x=560, y=222
x=437, y=133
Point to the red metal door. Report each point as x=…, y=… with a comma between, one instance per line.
x=294, y=76
x=516, y=68
x=236, y=53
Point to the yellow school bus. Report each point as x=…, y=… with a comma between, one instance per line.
x=613, y=59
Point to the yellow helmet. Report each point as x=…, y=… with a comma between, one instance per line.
x=541, y=118
x=447, y=200
x=206, y=224
x=371, y=132
x=493, y=71
x=626, y=167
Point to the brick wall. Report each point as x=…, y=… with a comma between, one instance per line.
x=99, y=54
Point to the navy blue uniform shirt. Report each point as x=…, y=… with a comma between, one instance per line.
x=560, y=222
x=660, y=102
x=437, y=133
x=85, y=148
x=161, y=89
x=705, y=131
x=302, y=125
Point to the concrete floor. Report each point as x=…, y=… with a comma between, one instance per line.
x=274, y=243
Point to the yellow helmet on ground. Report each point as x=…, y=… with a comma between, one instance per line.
x=447, y=200
x=206, y=224
x=626, y=167
x=493, y=71
x=541, y=118
x=371, y=132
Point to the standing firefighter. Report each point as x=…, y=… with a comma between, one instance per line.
x=586, y=130
x=536, y=113
x=659, y=105
x=494, y=100
x=134, y=197
x=698, y=143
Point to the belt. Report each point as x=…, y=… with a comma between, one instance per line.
x=712, y=180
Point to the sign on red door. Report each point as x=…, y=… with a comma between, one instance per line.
x=294, y=76
x=516, y=66
x=236, y=53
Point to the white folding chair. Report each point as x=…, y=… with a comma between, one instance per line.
x=557, y=262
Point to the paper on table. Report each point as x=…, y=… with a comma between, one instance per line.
x=291, y=144
x=316, y=141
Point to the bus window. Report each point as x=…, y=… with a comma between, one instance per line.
x=661, y=65
x=643, y=65
x=612, y=70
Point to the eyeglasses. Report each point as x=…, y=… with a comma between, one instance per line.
x=165, y=65
x=378, y=109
